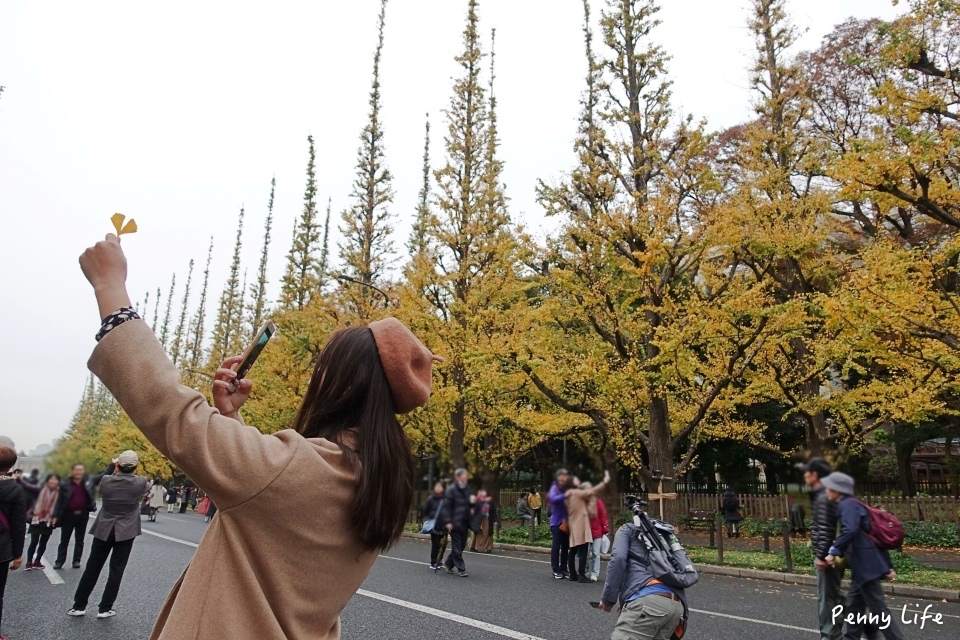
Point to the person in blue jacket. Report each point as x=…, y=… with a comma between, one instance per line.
x=869, y=564
x=559, y=538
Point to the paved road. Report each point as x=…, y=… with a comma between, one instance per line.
x=506, y=596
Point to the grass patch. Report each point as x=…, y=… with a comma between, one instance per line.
x=909, y=570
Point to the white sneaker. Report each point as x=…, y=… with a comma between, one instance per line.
x=76, y=613
x=106, y=614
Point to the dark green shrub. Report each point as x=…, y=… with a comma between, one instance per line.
x=509, y=513
x=929, y=534
x=521, y=535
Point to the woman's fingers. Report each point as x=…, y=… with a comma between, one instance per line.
x=229, y=362
x=224, y=373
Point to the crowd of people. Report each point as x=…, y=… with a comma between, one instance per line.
x=578, y=522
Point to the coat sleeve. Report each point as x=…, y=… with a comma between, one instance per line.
x=824, y=527
x=602, y=515
x=556, y=496
x=62, y=500
x=18, y=523
x=849, y=513
x=29, y=487
x=617, y=567
x=229, y=461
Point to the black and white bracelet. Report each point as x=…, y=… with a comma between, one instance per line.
x=116, y=319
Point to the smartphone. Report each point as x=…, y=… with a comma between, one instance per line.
x=595, y=605
x=252, y=352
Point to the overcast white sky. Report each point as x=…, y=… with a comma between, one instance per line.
x=178, y=113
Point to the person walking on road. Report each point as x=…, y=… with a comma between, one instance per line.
x=114, y=530
x=822, y=533
x=438, y=537
x=485, y=516
x=171, y=498
x=184, y=497
x=730, y=507
x=648, y=608
x=155, y=493
x=599, y=527
x=581, y=508
x=559, y=528
x=869, y=564
x=13, y=521
x=76, y=505
x=456, y=515
x=41, y=517
x=331, y=493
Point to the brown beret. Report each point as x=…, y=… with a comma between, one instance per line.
x=406, y=362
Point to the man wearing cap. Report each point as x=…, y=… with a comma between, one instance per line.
x=114, y=530
x=868, y=563
x=822, y=533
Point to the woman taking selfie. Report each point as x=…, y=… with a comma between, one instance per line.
x=331, y=493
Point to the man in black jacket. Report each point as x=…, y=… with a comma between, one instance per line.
x=822, y=532
x=75, y=506
x=455, y=515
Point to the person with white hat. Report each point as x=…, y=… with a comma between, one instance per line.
x=116, y=527
x=868, y=563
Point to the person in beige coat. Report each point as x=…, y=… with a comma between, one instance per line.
x=581, y=506
x=330, y=494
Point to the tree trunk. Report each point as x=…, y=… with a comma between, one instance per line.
x=458, y=422
x=661, y=459
x=904, y=452
x=815, y=424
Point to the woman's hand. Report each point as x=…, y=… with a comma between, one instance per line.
x=229, y=403
x=606, y=477
x=16, y=563
x=105, y=267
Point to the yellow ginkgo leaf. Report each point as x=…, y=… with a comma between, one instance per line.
x=130, y=227
x=117, y=220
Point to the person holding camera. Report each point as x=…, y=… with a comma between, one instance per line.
x=116, y=527
x=648, y=607
x=332, y=492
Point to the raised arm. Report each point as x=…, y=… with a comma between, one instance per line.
x=230, y=462
x=603, y=485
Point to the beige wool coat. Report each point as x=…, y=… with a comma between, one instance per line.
x=280, y=561
x=578, y=514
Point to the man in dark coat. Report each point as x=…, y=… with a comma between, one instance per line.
x=116, y=527
x=455, y=515
x=75, y=506
x=822, y=532
x=868, y=564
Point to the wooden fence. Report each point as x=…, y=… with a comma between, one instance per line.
x=935, y=509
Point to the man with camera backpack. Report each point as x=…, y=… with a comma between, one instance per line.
x=649, y=608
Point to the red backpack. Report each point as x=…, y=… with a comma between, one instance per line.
x=886, y=530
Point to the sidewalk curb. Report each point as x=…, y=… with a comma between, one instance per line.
x=902, y=590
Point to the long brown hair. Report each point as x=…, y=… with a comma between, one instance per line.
x=349, y=391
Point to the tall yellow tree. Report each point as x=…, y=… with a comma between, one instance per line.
x=651, y=321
